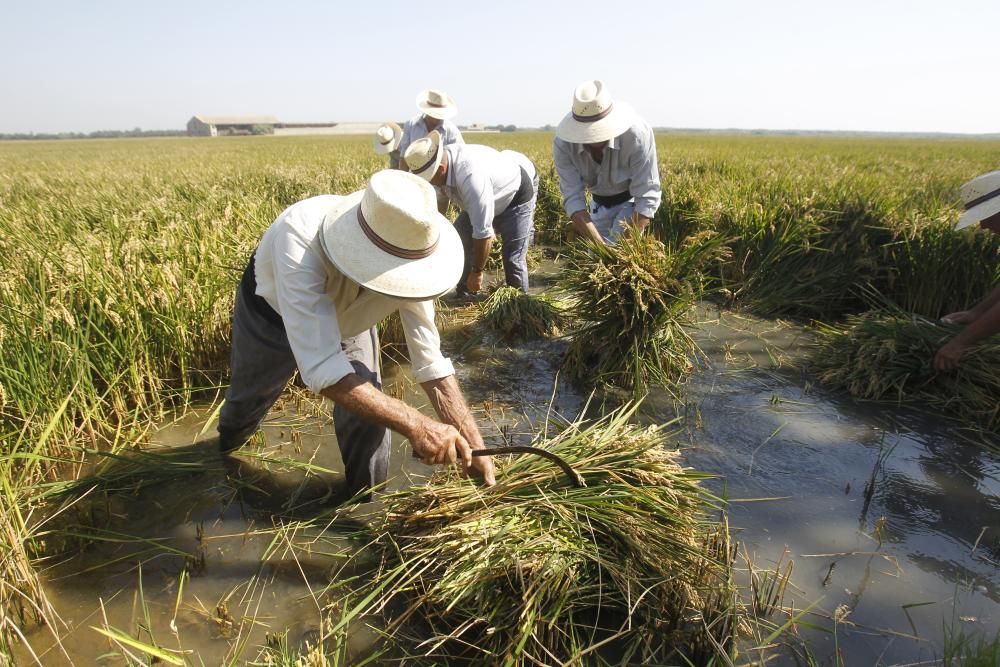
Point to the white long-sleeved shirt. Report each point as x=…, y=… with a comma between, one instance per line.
x=320, y=306
x=482, y=181
x=415, y=128
x=629, y=165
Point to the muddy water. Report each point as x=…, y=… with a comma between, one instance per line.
x=892, y=519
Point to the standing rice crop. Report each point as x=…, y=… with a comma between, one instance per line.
x=631, y=299
x=539, y=571
x=888, y=355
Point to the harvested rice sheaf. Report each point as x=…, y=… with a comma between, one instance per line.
x=889, y=355
x=631, y=299
x=539, y=571
x=514, y=314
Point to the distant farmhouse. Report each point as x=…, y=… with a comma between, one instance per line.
x=228, y=126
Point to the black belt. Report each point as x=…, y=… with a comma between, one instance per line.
x=608, y=201
x=525, y=192
x=257, y=303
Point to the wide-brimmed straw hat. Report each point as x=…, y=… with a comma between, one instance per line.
x=981, y=198
x=436, y=104
x=595, y=116
x=423, y=156
x=387, y=138
x=391, y=239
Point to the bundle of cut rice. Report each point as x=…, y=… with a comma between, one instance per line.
x=631, y=299
x=539, y=571
x=889, y=355
x=514, y=314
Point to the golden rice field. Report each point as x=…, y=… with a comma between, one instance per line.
x=119, y=259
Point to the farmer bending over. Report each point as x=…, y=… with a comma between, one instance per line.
x=386, y=142
x=496, y=192
x=604, y=147
x=326, y=271
x=436, y=110
x=981, y=197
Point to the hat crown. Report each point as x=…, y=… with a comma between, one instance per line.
x=421, y=155
x=591, y=98
x=980, y=186
x=401, y=209
x=384, y=134
x=437, y=98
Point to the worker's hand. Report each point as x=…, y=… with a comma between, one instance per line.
x=947, y=358
x=961, y=317
x=482, y=467
x=437, y=443
x=474, y=282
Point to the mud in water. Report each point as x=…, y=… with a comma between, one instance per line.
x=892, y=518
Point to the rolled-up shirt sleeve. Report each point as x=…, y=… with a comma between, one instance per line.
x=424, y=342
x=477, y=197
x=644, y=184
x=570, y=181
x=309, y=314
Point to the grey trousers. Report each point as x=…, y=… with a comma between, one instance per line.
x=516, y=229
x=261, y=365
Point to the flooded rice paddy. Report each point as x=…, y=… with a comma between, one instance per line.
x=890, y=518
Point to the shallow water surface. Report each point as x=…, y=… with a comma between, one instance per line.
x=892, y=519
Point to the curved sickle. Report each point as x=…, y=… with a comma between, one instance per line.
x=573, y=476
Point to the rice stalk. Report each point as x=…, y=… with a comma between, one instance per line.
x=537, y=570
x=632, y=301
x=888, y=355
x=516, y=315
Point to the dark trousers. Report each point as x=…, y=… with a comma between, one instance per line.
x=516, y=229
x=261, y=365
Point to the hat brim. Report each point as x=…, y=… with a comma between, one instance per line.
x=428, y=173
x=441, y=113
x=977, y=214
x=618, y=121
x=385, y=149
x=355, y=256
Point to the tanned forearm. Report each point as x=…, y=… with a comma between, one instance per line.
x=451, y=407
x=585, y=227
x=982, y=327
x=991, y=300
x=357, y=395
x=481, y=253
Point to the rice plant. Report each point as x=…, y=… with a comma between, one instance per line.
x=632, y=299
x=516, y=315
x=888, y=355
x=536, y=570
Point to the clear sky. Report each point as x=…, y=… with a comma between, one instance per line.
x=888, y=65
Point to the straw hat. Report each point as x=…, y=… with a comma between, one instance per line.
x=387, y=138
x=981, y=197
x=436, y=104
x=595, y=116
x=391, y=239
x=423, y=156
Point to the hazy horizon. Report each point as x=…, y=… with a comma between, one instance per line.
x=876, y=66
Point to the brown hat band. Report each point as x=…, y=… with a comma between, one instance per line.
x=393, y=250
x=428, y=163
x=436, y=105
x=982, y=200
x=594, y=119
x=388, y=141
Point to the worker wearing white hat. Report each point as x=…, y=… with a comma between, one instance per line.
x=436, y=111
x=437, y=108
x=496, y=192
x=981, y=199
x=326, y=271
x=386, y=142
x=604, y=147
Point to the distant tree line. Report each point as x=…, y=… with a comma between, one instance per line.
x=99, y=134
